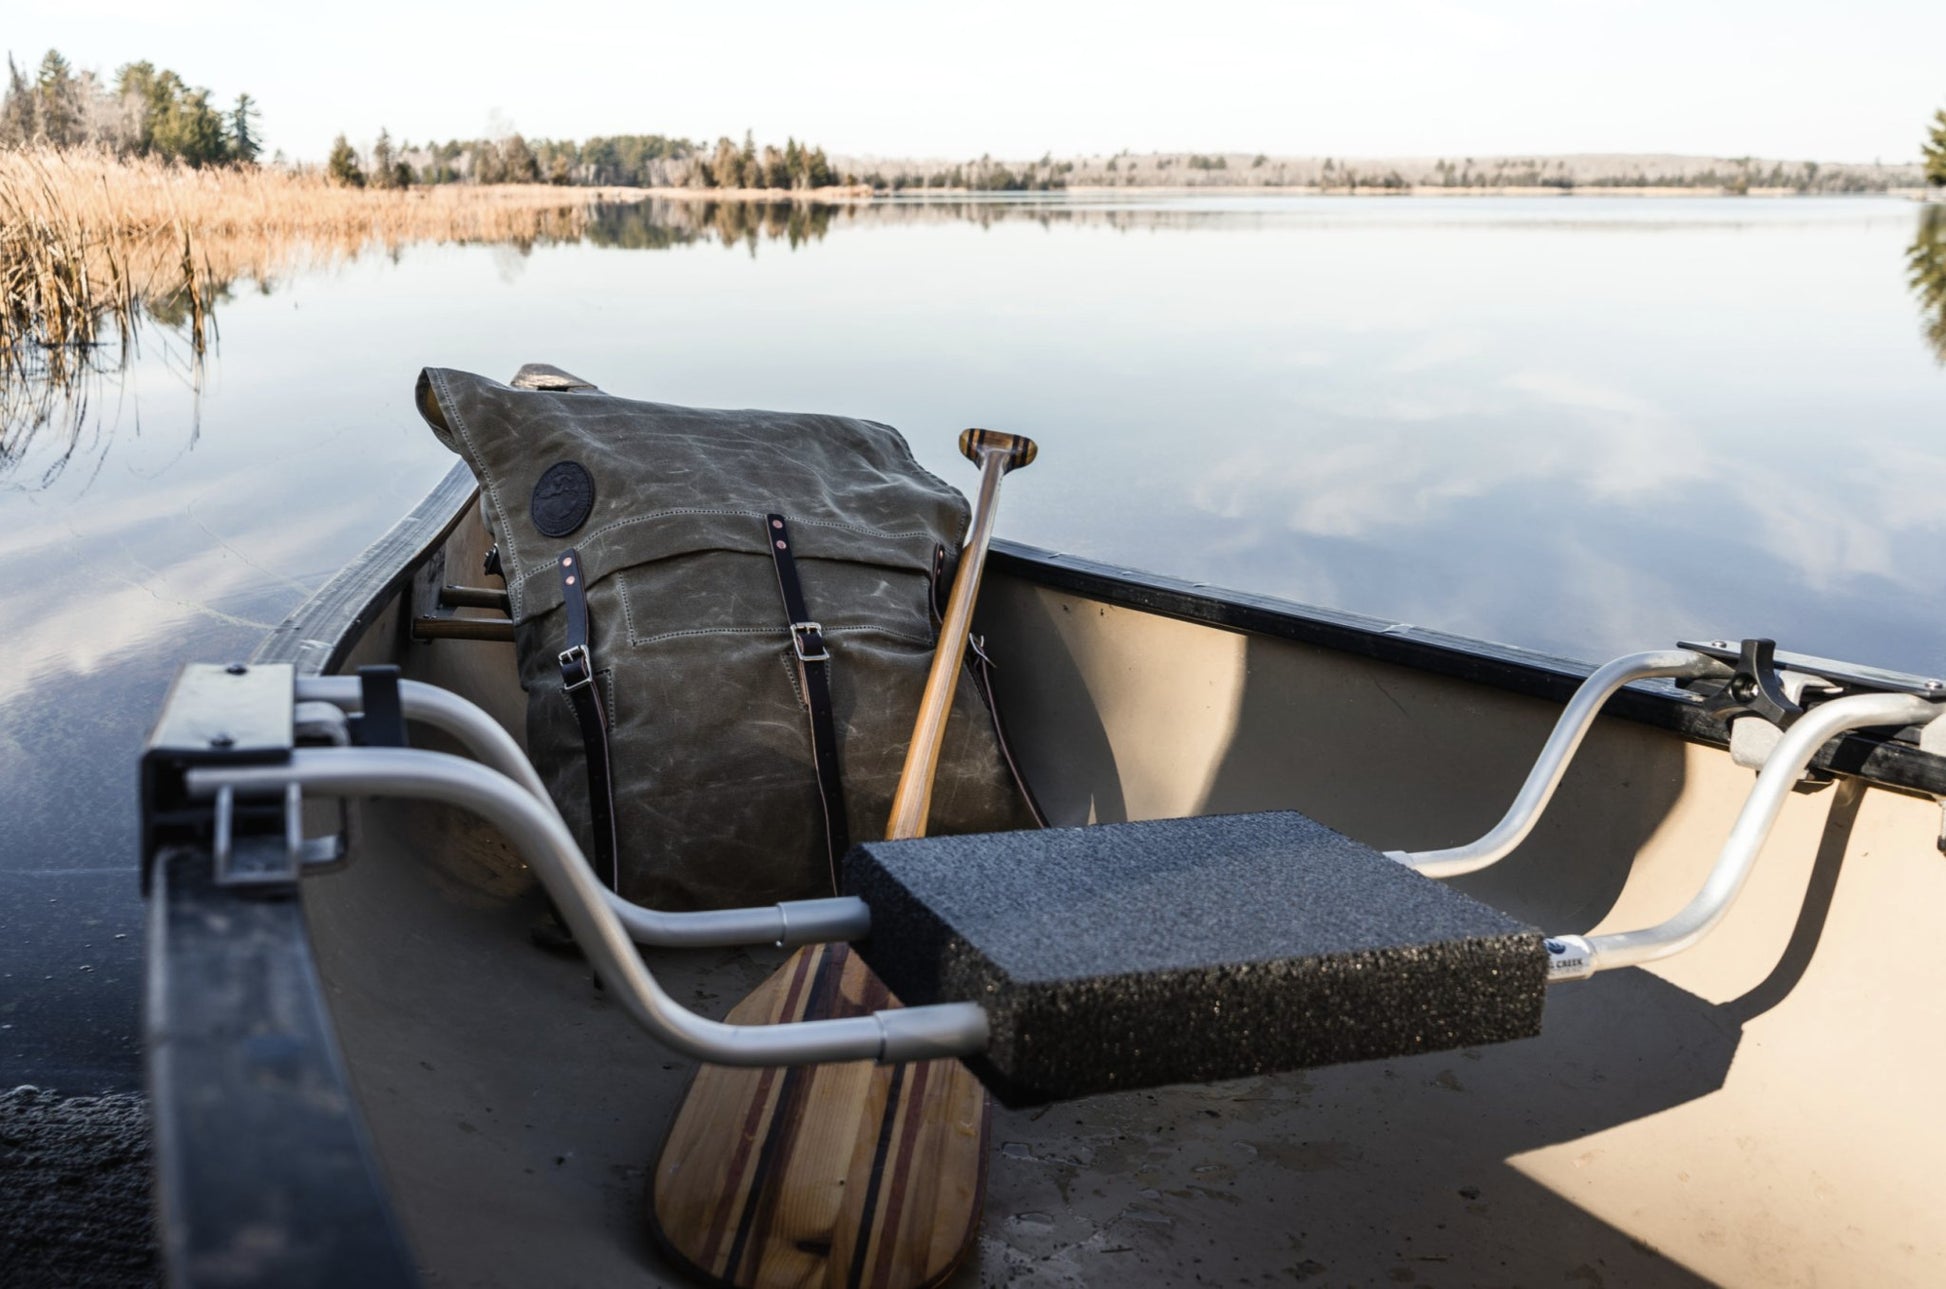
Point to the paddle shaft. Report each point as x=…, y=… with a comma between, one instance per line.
x=765, y=1154
x=912, y=802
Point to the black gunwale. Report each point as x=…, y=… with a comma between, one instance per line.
x=269, y=1131
x=320, y=632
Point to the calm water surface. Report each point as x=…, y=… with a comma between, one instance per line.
x=1584, y=426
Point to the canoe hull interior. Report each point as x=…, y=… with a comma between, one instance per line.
x=1753, y=1111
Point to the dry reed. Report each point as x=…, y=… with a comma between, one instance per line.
x=87, y=240
x=91, y=245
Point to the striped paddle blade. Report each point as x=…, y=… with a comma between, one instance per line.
x=834, y=1175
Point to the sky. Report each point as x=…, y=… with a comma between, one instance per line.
x=1771, y=78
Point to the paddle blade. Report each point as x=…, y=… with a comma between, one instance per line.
x=823, y=1175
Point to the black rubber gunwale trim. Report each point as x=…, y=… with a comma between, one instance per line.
x=260, y=1138
x=321, y=632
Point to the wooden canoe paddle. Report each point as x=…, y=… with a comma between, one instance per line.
x=855, y=1174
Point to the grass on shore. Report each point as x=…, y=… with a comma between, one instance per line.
x=88, y=240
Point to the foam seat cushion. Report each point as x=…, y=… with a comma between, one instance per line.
x=1188, y=950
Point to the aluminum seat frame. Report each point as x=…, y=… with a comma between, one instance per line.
x=502, y=788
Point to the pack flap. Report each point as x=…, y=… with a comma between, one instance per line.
x=626, y=482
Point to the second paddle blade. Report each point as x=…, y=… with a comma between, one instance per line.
x=854, y=1174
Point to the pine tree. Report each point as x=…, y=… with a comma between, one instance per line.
x=1935, y=151
x=726, y=167
x=342, y=166
x=191, y=130
x=245, y=142
x=60, y=114
x=135, y=84
x=17, y=111
x=518, y=161
x=1925, y=262
x=384, y=173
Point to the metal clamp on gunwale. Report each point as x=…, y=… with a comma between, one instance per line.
x=1573, y=957
x=1805, y=702
x=1760, y=692
x=230, y=716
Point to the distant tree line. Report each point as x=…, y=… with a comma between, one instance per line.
x=984, y=175
x=626, y=160
x=144, y=111
x=1258, y=170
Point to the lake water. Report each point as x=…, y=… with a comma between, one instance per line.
x=1582, y=425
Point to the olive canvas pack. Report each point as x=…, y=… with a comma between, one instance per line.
x=689, y=588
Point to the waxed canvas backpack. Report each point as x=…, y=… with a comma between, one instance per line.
x=724, y=621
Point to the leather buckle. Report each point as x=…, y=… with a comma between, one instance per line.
x=806, y=636
x=577, y=669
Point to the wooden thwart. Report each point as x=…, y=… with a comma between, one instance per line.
x=836, y=1175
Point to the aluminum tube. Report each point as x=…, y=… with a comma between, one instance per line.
x=791, y=924
x=445, y=711
x=1787, y=762
x=844, y=917
x=537, y=832
x=1552, y=764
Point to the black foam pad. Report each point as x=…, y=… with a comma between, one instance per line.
x=1187, y=950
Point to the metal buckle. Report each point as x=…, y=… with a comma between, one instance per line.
x=799, y=630
x=576, y=657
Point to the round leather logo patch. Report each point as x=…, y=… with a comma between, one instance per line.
x=562, y=499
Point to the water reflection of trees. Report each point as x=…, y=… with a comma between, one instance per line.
x=1925, y=262
x=658, y=225
x=52, y=395
x=57, y=405
x=661, y=224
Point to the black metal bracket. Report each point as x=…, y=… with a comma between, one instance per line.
x=382, y=722
x=1757, y=688
x=1835, y=679
x=234, y=715
x=215, y=716
x=1779, y=686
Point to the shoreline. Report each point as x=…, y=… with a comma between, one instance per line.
x=860, y=195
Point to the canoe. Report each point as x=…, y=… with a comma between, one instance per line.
x=370, y=1075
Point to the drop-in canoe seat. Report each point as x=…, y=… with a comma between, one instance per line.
x=1185, y=950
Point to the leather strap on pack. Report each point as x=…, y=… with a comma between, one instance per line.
x=813, y=673
x=578, y=683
